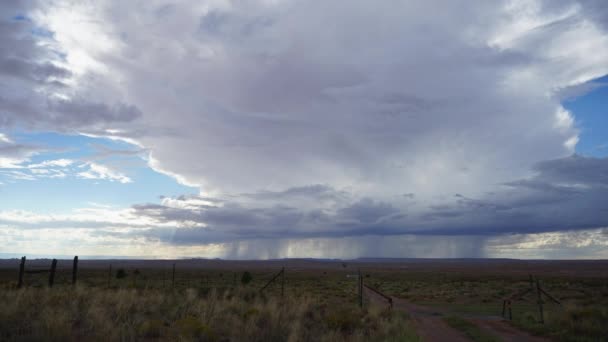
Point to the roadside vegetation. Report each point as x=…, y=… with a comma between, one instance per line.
x=572, y=323
x=96, y=314
x=223, y=303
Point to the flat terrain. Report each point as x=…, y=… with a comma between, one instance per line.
x=460, y=299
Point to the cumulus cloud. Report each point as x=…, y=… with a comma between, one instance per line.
x=314, y=119
x=431, y=105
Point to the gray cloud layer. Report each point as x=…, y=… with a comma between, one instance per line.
x=35, y=82
x=565, y=194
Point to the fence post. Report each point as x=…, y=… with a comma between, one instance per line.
x=531, y=282
x=282, y=281
x=360, y=290
x=540, y=302
x=109, y=275
x=75, y=270
x=510, y=312
x=52, y=272
x=504, y=307
x=21, y=271
x=173, y=277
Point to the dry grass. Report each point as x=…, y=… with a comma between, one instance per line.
x=572, y=323
x=144, y=306
x=128, y=315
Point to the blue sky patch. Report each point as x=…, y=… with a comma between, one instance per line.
x=75, y=171
x=591, y=113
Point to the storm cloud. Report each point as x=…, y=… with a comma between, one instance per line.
x=326, y=120
x=565, y=195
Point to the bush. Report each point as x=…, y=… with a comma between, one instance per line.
x=246, y=278
x=120, y=273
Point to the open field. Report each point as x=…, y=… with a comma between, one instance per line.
x=208, y=301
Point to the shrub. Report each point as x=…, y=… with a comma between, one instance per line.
x=120, y=273
x=246, y=278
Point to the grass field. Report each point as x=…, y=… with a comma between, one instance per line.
x=209, y=302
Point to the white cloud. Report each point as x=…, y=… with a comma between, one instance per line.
x=570, y=144
x=10, y=163
x=5, y=139
x=98, y=171
x=17, y=174
x=52, y=163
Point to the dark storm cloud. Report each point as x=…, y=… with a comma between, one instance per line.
x=566, y=194
x=317, y=190
x=575, y=170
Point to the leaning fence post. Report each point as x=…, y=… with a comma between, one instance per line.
x=540, y=301
x=52, y=272
x=75, y=270
x=21, y=271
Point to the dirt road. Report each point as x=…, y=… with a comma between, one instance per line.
x=431, y=327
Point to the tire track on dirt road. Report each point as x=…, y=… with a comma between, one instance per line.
x=432, y=328
x=429, y=325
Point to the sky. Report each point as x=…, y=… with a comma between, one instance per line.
x=284, y=128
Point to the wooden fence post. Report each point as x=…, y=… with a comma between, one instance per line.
x=109, y=275
x=21, y=271
x=282, y=281
x=173, y=277
x=52, y=272
x=360, y=290
x=540, y=302
x=75, y=270
x=510, y=312
x=135, y=275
